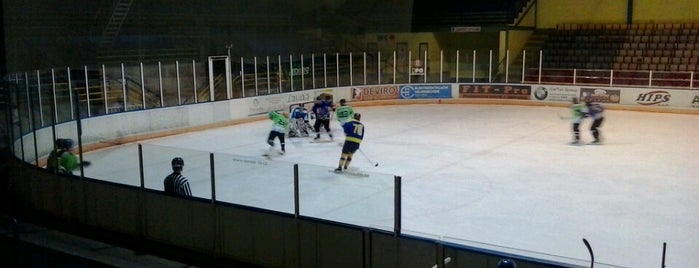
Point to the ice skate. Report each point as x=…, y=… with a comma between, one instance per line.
x=338, y=170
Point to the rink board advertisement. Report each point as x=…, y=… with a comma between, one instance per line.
x=490, y=91
x=660, y=97
x=554, y=93
x=601, y=95
x=425, y=91
x=648, y=97
x=264, y=104
x=368, y=93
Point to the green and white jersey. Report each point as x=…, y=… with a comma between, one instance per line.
x=344, y=114
x=578, y=112
x=279, y=122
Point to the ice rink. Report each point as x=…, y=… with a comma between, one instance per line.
x=482, y=175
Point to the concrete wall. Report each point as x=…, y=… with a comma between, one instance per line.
x=552, y=12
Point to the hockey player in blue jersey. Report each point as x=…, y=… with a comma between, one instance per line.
x=322, y=111
x=354, y=134
x=299, y=122
x=596, y=112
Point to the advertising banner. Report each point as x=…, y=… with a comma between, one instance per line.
x=280, y=102
x=602, y=95
x=368, y=93
x=425, y=92
x=660, y=97
x=555, y=93
x=489, y=91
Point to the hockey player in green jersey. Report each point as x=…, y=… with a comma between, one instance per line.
x=62, y=161
x=280, y=125
x=578, y=112
x=344, y=113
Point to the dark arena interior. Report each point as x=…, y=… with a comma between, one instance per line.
x=122, y=79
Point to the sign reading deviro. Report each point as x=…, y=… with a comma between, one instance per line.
x=374, y=93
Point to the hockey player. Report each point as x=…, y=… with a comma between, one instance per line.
x=322, y=110
x=280, y=125
x=344, y=113
x=578, y=112
x=596, y=112
x=299, y=122
x=62, y=161
x=354, y=133
x=177, y=184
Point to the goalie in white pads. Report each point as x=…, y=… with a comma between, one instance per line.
x=354, y=133
x=299, y=122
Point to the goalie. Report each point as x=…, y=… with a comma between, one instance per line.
x=299, y=122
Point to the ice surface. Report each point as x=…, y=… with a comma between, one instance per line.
x=499, y=175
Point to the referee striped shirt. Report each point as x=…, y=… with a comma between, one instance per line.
x=176, y=184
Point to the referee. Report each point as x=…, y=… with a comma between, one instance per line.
x=176, y=184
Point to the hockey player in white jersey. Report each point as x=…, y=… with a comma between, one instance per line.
x=299, y=122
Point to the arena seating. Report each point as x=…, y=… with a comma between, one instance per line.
x=669, y=52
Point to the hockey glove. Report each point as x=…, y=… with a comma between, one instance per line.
x=85, y=163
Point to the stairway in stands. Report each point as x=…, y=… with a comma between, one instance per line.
x=530, y=58
x=111, y=29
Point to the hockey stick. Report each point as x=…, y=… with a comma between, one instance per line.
x=563, y=117
x=592, y=255
x=99, y=140
x=376, y=164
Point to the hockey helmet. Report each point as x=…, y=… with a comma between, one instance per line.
x=343, y=101
x=177, y=163
x=358, y=116
x=507, y=263
x=65, y=143
x=59, y=143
